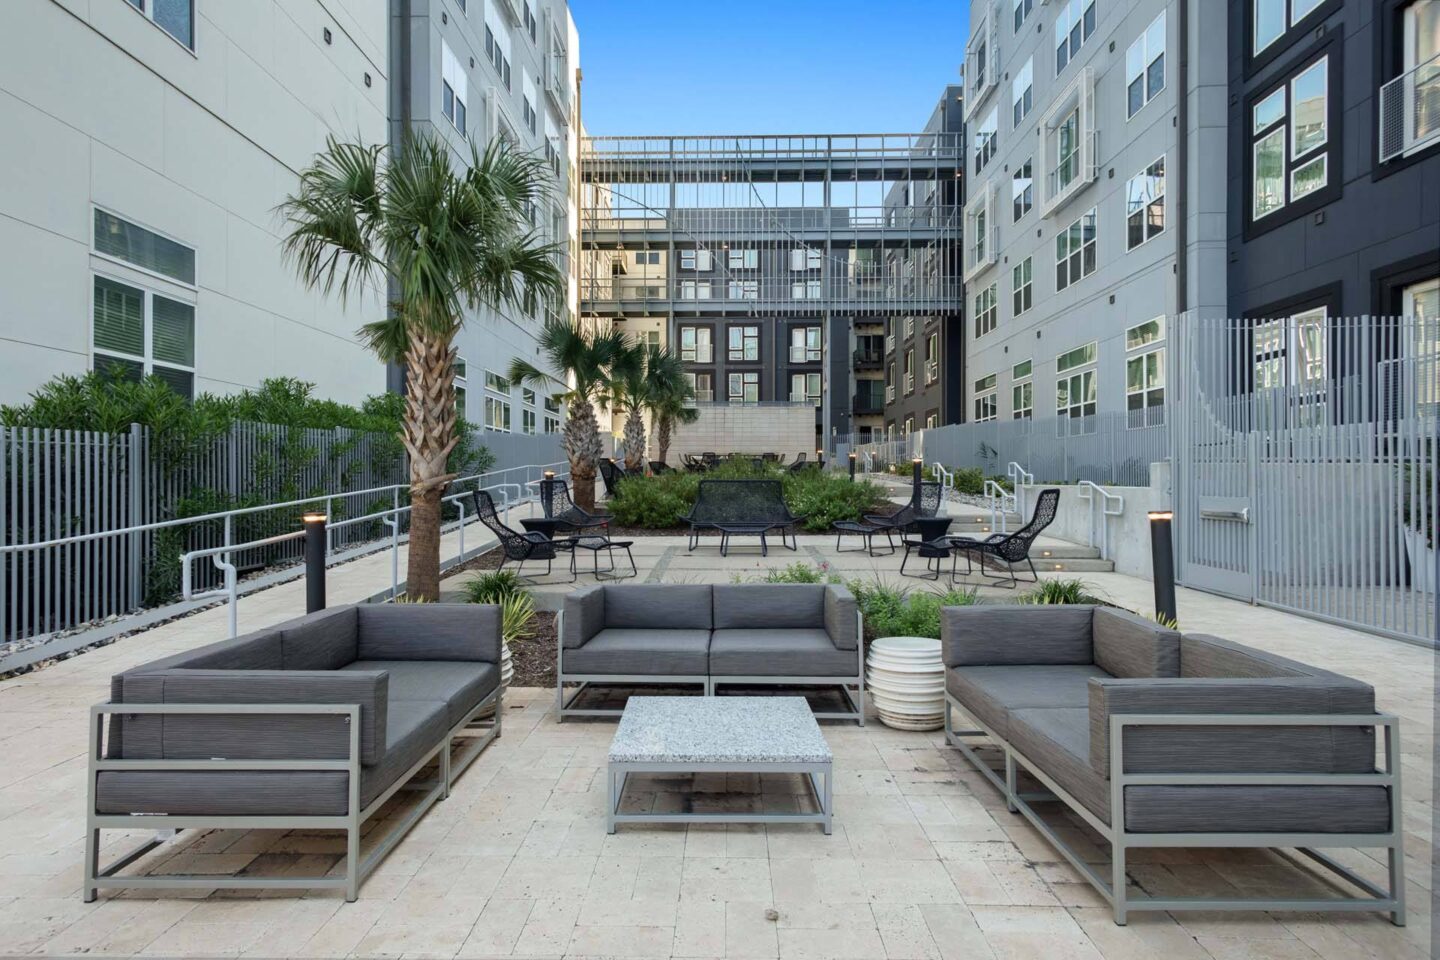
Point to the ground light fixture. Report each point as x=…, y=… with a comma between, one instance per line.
x=1162, y=560
x=852, y=464
x=315, y=537
x=547, y=493
x=915, y=465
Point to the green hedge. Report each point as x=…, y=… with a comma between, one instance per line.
x=658, y=503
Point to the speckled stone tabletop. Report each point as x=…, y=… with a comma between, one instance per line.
x=718, y=730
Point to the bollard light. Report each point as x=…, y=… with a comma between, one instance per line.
x=1162, y=559
x=915, y=468
x=315, y=537
x=852, y=465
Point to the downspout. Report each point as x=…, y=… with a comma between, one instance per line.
x=400, y=90
x=1182, y=163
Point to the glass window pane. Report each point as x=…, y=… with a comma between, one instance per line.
x=181, y=381
x=1270, y=110
x=1308, y=178
x=1269, y=186
x=172, y=331
x=1308, y=108
x=1300, y=9
x=1269, y=22
x=1134, y=373
x=115, y=367
x=177, y=17
x=119, y=318
x=125, y=241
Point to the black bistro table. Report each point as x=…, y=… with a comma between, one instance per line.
x=929, y=543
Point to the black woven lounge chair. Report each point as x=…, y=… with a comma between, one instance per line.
x=515, y=545
x=1011, y=549
x=926, y=504
x=612, y=473
x=556, y=502
x=742, y=508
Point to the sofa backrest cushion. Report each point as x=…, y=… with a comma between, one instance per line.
x=324, y=640
x=1202, y=655
x=769, y=606
x=1127, y=645
x=656, y=606
x=996, y=634
x=428, y=631
x=584, y=615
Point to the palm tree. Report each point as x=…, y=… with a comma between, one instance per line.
x=442, y=241
x=629, y=394
x=583, y=358
x=671, y=401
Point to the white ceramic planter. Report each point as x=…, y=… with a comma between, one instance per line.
x=906, y=681
x=1422, y=560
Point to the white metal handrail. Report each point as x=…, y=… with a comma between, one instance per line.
x=947, y=479
x=1086, y=491
x=1020, y=478
x=1001, y=502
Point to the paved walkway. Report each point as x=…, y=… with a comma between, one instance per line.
x=924, y=861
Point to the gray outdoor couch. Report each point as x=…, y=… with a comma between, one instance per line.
x=798, y=634
x=1162, y=740
x=311, y=724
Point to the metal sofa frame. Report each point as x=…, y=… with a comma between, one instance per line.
x=1115, y=890
x=357, y=868
x=851, y=688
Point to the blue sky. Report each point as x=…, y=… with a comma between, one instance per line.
x=766, y=66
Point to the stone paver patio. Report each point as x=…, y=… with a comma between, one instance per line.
x=924, y=860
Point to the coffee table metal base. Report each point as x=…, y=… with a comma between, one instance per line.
x=818, y=775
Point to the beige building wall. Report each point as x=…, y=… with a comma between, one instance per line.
x=787, y=429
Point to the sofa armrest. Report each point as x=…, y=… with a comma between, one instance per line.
x=256, y=736
x=841, y=620
x=584, y=616
x=429, y=631
x=1227, y=748
x=1015, y=635
x=1128, y=645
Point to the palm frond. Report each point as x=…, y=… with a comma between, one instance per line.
x=332, y=218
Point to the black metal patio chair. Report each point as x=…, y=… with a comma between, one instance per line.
x=611, y=473
x=514, y=545
x=555, y=501
x=1011, y=549
x=742, y=508
x=923, y=503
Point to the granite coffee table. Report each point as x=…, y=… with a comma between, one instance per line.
x=720, y=735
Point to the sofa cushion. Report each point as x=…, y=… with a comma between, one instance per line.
x=1057, y=742
x=841, y=621
x=430, y=631
x=584, y=615
x=235, y=793
x=661, y=653
x=1206, y=656
x=1009, y=634
x=324, y=640
x=1257, y=809
x=769, y=606
x=988, y=693
x=779, y=653
x=1127, y=645
x=650, y=606
x=414, y=728
x=462, y=685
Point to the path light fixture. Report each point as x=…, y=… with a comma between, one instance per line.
x=315, y=550
x=852, y=464
x=1162, y=559
x=915, y=470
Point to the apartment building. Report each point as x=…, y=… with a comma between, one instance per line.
x=773, y=265
x=147, y=145
x=474, y=70
x=1096, y=200
x=1334, y=151
x=925, y=353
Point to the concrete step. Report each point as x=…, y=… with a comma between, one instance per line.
x=1055, y=564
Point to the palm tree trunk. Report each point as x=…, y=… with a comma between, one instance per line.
x=581, y=442
x=662, y=438
x=428, y=435
x=635, y=440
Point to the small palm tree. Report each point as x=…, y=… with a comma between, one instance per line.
x=443, y=241
x=583, y=358
x=671, y=401
x=631, y=388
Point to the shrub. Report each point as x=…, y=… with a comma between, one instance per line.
x=517, y=617
x=801, y=572
x=493, y=587
x=899, y=612
x=1060, y=591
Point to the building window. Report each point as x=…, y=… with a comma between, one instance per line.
x=987, y=406
x=497, y=414
x=910, y=370
x=804, y=344
x=744, y=289
x=461, y=369
x=552, y=424
x=1290, y=358
x=1022, y=281
x=1022, y=11
x=495, y=53
x=527, y=395
x=1022, y=190
x=454, y=88
x=529, y=21
x=1073, y=26
x=744, y=343
x=805, y=290
x=1145, y=205
x=1271, y=19
x=932, y=357
x=1075, y=251
x=1145, y=67
x=1290, y=137
x=132, y=244
x=987, y=311
x=704, y=386
x=139, y=333
x=647, y=257
x=694, y=289
x=528, y=112
x=493, y=381
x=1022, y=392
x=805, y=258
x=1067, y=150
x=908, y=427
x=1075, y=390
x=527, y=422
x=175, y=17
x=743, y=258
x=744, y=387
x=696, y=260
x=1022, y=90
x=1420, y=305
x=805, y=388
x=986, y=141
x=1145, y=373
x=696, y=346
x=909, y=327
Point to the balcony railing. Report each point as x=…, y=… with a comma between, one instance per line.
x=867, y=403
x=868, y=358
x=890, y=393
x=932, y=371
x=890, y=343
x=1410, y=111
x=704, y=396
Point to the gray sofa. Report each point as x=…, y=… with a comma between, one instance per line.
x=1161, y=740
x=314, y=723
x=787, y=634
